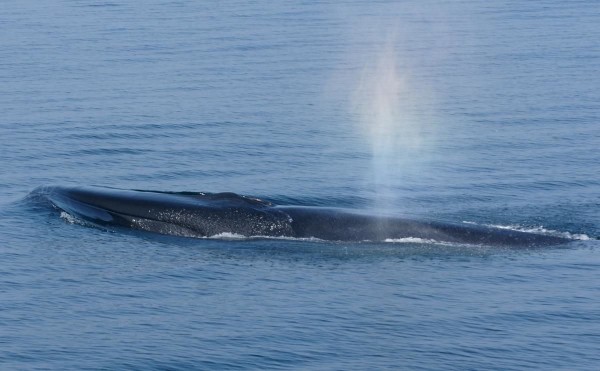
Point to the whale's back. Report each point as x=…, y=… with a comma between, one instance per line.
x=209, y=214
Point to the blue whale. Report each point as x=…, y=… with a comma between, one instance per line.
x=209, y=214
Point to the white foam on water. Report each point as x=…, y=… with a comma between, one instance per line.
x=237, y=236
x=228, y=236
x=409, y=240
x=69, y=218
x=425, y=241
x=537, y=230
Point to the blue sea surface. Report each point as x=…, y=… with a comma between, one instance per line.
x=464, y=111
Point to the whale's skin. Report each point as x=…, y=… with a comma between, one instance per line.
x=209, y=214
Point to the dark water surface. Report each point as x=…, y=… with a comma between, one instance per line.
x=499, y=112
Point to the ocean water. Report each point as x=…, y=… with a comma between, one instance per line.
x=463, y=111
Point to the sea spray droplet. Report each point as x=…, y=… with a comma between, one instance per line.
x=385, y=104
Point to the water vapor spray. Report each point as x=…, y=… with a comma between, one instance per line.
x=384, y=105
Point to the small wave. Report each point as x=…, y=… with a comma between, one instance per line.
x=236, y=236
x=409, y=240
x=412, y=240
x=537, y=230
x=75, y=220
x=425, y=241
x=228, y=236
x=69, y=218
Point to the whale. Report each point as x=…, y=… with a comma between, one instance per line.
x=197, y=214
